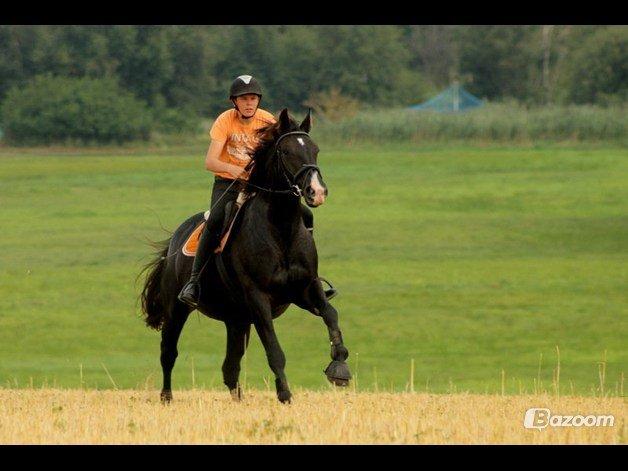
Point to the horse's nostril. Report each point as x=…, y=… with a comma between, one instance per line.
x=310, y=191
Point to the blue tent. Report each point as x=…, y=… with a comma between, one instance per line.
x=453, y=99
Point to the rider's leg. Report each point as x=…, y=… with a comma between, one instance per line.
x=207, y=243
x=210, y=238
x=308, y=222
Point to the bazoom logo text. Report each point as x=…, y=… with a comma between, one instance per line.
x=539, y=418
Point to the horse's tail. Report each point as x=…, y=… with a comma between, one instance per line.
x=152, y=305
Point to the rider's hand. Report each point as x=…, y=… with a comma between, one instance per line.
x=237, y=172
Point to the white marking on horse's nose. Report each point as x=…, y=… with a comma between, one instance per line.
x=301, y=141
x=319, y=189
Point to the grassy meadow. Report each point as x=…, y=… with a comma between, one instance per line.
x=487, y=269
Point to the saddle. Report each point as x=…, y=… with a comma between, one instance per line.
x=232, y=210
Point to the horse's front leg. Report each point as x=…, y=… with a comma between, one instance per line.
x=316, y=302
x=276, y=358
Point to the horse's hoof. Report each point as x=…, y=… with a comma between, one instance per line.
x=166, y=397
x=284, y=397
x=338, y=373
x=236, y=394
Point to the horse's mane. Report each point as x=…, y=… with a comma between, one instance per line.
x=264, y=173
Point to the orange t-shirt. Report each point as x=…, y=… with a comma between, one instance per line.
x=239, y=138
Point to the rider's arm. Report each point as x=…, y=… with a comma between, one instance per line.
x=213, y=164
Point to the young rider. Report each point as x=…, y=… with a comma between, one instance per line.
x=233, y=137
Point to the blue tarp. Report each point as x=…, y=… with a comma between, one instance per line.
x=453, y=99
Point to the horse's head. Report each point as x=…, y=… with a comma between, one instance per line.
x=297, y=157
x=285, y=161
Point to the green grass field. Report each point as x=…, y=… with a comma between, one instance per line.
x=475, y=262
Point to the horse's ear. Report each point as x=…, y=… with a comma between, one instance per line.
x=306, y=125
x=284, y=120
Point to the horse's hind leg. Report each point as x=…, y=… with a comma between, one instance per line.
x=316, y=302
x=169, y=337
x=237, y=340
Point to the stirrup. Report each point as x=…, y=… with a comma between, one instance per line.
x=331, y=292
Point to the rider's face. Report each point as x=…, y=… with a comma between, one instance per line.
x=247, y=104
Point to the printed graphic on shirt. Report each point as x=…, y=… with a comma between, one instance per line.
x=240, y=146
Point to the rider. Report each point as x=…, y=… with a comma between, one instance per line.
x=233, y=137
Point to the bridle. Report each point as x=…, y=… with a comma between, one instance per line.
x=292, y=180
x=305, y=168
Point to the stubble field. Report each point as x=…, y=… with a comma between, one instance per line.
x=55, y=416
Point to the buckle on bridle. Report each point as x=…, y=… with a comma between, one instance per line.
x=296, y=191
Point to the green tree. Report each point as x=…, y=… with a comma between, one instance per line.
x=434, y=52
x=143, y=58
x=370, y=63
x=597, y=71
x=497, y=60
x=192, y=84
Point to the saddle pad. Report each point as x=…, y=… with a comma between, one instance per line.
x=191, y=244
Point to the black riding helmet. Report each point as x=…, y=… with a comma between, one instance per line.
x=244, y=85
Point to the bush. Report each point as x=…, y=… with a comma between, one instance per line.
x=78, y=110
x=171, y=121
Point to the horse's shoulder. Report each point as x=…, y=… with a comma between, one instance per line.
x=253, y=209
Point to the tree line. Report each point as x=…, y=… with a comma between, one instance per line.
x=191, y=67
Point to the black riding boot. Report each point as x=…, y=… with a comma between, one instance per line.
x=308, y=221
x=191, y=292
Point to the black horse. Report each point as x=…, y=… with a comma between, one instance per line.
x=269, y=262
